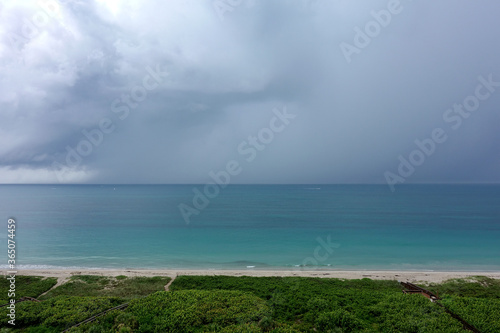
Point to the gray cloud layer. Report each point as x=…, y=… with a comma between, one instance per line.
x=70, y=66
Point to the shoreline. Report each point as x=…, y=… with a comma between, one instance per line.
x=411, y=276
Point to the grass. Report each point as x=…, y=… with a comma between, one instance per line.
x=31, y=286
x=477, y=286
x=121, y=286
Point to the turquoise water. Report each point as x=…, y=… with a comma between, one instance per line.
x=432, y=227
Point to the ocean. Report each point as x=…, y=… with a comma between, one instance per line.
x=324, y=227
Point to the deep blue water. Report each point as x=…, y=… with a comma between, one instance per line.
x=434, y=227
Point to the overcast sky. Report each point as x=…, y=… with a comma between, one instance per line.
x=296, y=91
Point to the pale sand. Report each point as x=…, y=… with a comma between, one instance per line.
x=411, y=276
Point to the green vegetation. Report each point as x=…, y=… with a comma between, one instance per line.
x=413, y=313
x=30, y=286
x=251, y=304
x=335, y=305
x=482, y=313
x=194, y=310
x=58, y=313
x=476, y=300
x=478, y=287
x=121, y=286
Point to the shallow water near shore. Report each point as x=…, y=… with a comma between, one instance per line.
x=340, y=227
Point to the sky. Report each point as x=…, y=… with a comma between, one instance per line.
x=265, y=91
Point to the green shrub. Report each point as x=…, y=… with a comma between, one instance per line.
x=414, y=313
x=190, y=310
x=59, y=312
x=339, y=318
x=286, y=328
x=32, y=286
x=126, y=319
x=42, y=329
x=484, y=314
x=106, y=323
x=252, y=304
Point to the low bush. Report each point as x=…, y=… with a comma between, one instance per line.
x=32, y=286
x=482, y=313
x=195, y=310
x=59, y=313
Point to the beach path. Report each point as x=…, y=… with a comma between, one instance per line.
x=167, y=286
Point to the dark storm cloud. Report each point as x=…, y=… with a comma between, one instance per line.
x=67, y=68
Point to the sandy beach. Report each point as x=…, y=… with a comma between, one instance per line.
x=411, y=276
